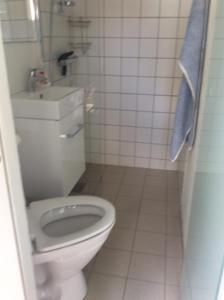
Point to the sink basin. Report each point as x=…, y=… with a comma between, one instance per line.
x=52, y=103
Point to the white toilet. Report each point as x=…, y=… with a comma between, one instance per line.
x=67, y=233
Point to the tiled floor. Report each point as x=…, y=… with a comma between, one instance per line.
x=142, y=258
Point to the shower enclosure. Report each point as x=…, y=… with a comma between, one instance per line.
x=204, y=251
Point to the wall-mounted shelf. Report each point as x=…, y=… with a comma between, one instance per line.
x=81, y=23
x=83, y=46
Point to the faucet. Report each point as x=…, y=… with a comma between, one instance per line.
x=36, y=77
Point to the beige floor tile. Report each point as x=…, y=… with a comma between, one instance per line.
x=155, y=193
x=157, y=173
x=156, y=181
x=173, y=271
x=173, y=195
x=172, y=293
x=133, y=179
x=95, y=168
x=120, y=239
x=153, y=207
x=130, y=191
x=126, y=220
x=89, y=188
x=91, y=176
x=173, y=182
x=150, y=243
x=136, y=171
x=152, y=223
x=173, y=226
x=110, y=169
x=147, y=267
x=127, y=203
x=112, y=262
x=139, y=290
x=103, y=287
x=174, y=247
x=173, y=208
x=112, y=178
x=107, y=188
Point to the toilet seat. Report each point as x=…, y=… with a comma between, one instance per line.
x=99, y=215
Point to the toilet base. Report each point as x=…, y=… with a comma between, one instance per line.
x=74, y=288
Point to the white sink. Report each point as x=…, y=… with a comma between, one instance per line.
x=52, y=103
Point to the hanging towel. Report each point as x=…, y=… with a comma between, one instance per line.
x=191, y=64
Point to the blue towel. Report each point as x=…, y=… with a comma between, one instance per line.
x=191, y=64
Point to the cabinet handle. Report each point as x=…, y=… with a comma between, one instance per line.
x=71, y=135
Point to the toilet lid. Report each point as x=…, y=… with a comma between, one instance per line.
x=60, y=222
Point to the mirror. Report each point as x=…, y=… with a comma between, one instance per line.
x=20, y=20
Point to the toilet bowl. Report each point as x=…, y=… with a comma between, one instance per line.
x=66, y=234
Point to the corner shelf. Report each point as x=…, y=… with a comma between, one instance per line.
x=83, y=46
x=81, y=23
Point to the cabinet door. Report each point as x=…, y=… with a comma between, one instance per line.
x=72, y=149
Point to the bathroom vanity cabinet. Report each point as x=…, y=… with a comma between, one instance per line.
x=52, y=153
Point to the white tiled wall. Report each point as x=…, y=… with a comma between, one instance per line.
x=133, y=64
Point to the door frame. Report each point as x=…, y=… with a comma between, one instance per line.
x=16, y=272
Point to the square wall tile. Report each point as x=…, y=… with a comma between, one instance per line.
x=131, y=8
x=112, y=132
x=128, y=102
x=112, y=117
x=93, y=8
x=167, y=48
x=128, y=134
x=159, y=151
x=129, y=85
x=160, y=136
x=131, y=28
x=143, y=135
x=149, y=28
x=129, y=66
x=147, y=67
x=112, y=101
x=166, y=67
x=112, y=66
x=144, y=119
x=169, y=8
x=112, y=27
x=185, y=8
x=168, y=28
x=162, y=104
x=145, y=102
x=128, y=118
x=160, y=120
x=143, y=150
x=113, y=8
x=112, y=47
x=164, y=86
x=127, y=149
x=112, y=147
x=148, y=47
x=112, y=84
x=146, y=85
x=130, y=47
x=150, y=8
